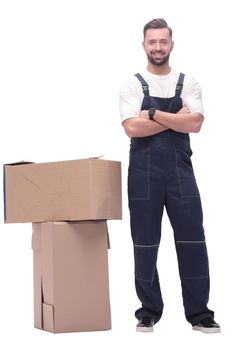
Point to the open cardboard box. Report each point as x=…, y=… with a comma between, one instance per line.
x=84, y=189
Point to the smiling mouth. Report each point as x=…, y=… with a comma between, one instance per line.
x=158, y=56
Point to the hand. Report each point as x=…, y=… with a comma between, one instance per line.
x=144, y=114
x=184, y=110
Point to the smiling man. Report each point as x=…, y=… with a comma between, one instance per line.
x=159, y=108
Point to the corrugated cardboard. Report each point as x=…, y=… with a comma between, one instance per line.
x=71, y=287
x=85, y=189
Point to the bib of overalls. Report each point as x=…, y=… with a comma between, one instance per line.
x=170, y=105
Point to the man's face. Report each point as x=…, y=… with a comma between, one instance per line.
x=158, y=44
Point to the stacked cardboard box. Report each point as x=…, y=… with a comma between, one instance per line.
x=68, y=204
x=85, y=189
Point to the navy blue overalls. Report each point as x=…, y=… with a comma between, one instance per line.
x=160, y=174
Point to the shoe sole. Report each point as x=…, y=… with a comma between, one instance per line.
x=144, y=329
x=207, y=330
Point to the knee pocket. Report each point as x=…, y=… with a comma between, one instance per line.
x=145, y=262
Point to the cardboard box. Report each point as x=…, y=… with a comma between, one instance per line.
x=85, y=189
x=71, y=287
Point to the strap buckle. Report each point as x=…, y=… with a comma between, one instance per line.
x=179, y=87
x=145, y=88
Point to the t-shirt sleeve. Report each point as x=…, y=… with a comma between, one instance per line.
x=193, y=97
x=130, y=100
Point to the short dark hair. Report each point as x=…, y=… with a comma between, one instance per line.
x=157, y=23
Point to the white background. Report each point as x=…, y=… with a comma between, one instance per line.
x=61, y=66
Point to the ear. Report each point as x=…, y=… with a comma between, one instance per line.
x=143, y=45
x=172, y=45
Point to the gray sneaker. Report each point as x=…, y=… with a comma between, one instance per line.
x=145, y=324
x=207, y=325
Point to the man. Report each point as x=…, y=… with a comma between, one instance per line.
x=159, y=108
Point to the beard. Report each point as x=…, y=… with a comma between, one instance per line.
x=158, y=61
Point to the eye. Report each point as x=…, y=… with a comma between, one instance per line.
x=151, y=42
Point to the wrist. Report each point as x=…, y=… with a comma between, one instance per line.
x=151, y=113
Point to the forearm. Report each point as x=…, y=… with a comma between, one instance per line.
x=140, y=127
x=188, y=122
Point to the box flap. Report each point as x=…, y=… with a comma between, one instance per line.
x=109, y=245
x=96, y=157
x=4, y=194
x=21, y=162
x=38, y=292
x=36, y=236
x=4, y=182
x=48, y=318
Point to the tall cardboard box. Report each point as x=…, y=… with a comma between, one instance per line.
x=71, y=285
x=83, y=189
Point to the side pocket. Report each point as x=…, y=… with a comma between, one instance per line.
x=139, y=174
x=186, y=178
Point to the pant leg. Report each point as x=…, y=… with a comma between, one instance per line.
x=146, y=201
x=184, y=210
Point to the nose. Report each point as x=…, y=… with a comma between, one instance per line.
x=157, y=46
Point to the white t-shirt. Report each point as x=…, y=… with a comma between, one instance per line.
x=131, y=94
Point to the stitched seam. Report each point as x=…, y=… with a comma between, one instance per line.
x=179, y=181
x=148, y=181
x=194, y=278
x=190, y=242
x=178, y=176
x=148, y=175
x=145, y=246
x=148, y=281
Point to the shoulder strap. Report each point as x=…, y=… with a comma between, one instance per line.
x=145, y=86
x=179, y=85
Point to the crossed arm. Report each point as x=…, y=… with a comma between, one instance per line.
x=182, y=121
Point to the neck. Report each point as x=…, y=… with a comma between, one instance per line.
x=159, y=70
